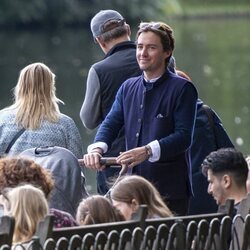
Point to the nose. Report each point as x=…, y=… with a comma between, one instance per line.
x=144, y=51
x=209, y=189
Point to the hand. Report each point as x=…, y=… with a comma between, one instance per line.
x=133, y=157
x=92, y=159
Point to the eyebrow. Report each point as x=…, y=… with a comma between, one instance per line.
x=150, y=44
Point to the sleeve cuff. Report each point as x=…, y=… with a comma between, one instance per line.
x=101, y=145
x=156, y=151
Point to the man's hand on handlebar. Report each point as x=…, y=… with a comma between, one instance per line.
x=92, y=159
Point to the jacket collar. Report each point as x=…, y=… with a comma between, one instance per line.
x=121, y=46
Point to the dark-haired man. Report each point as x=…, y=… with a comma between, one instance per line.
x=226, y=171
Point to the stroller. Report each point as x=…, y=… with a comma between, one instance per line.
x=68, y=175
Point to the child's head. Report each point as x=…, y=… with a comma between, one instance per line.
x=28, y=205
x=132, y=191
x=97, y=209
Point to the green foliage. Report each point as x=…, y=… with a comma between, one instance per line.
x=51, y=13
x=57, y=13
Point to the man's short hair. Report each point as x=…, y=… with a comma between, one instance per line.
x=227, y=160
x=108, y=24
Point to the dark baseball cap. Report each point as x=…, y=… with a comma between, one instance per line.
x=101, y=18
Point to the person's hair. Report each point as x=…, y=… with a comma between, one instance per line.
x=35, y=98
x=227, y=161
x=97, y=209
x=144, y=192
x=28, y=205
x=164, y=31
x=114, y=29
x=16, y=170
x=183, y=74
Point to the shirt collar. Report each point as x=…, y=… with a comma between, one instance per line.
x=151, y=80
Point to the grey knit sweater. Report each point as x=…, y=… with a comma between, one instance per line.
x=63, y=133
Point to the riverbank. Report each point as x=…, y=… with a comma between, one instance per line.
x=213, y=10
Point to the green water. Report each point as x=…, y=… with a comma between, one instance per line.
x=215, y=53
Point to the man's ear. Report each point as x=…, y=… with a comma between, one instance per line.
x=134, y=205
x=101, y=43
x=128, y=29
x=227, y=181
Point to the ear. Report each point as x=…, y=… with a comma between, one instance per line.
x=227, y=181
x=168, y=53
x=101, y=43
x=128, y=29
x=134, y=205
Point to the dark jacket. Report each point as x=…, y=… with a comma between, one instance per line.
x=118, y=65
x=166, y=113
x=207, y=138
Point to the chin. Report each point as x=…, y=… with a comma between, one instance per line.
x=142, y=67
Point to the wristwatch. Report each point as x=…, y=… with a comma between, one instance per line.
x=148, y=150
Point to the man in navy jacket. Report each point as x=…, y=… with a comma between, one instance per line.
x=158, y=111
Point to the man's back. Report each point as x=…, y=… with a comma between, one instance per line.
x=119, y=64
x=105, y=77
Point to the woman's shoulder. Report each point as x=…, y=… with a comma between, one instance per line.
x=65, y=118
x=7, y=113
x=67, y=122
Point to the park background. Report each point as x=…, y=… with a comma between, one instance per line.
x=212, y=46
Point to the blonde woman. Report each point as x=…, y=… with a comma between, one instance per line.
x=35, y=111
x=132, y=191
x=28, y=205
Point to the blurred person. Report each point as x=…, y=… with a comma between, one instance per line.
x=34, y=119
x=248, y=178
x=131, y=191
x=17, y=171
x=28, y=205
x=226, y=171
x=97, y=209
x=158, y=101
x=209, y=135
x=111, y=32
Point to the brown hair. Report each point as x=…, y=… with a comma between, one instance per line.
x=183, y=74
x=97, y=209
x=14, y=171
x=114, y=29
x=138, y=188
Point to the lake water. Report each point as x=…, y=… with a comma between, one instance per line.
x=215, y=53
